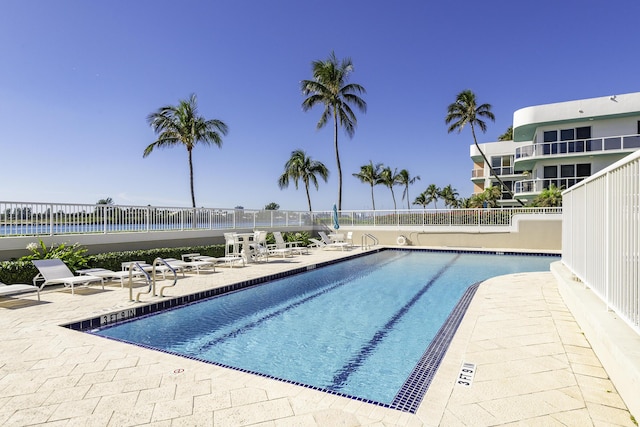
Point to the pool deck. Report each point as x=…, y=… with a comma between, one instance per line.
x=534, y=366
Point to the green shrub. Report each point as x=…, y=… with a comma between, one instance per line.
x=72, y=255
x=23, y=270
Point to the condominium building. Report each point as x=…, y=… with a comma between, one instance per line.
x=561, y=144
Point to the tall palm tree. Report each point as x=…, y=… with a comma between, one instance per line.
x=370, y=174
x=466, y=111
x=404, y=178
x=329, y=87
x=450, y=196
x=389, y=178
x=181, y=124
x=422, y=200
x=432, y=194
x=304, y=168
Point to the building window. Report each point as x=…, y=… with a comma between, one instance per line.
x=550, y=172
x=502, y=165
x=567, y=134
x=569, y=175
x=551, y=136
x=583, y=170
x=583, y=132
x=567, y=171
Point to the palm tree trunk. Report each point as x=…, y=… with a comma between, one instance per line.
x=502, y=184
x=193, y=195
x=335, y=135
x=373, y=202
x=306, y=187
x=393, y=196
x=408, y=206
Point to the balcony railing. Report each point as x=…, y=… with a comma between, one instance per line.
x=480, y=173
x=537, y=185
x=48, y=219
x=578, y=146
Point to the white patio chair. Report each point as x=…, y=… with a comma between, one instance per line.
x=330, y=244
x=17, y=289
x=280, y=247
x=54, y=271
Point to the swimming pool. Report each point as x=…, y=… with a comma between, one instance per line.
x=357, y=328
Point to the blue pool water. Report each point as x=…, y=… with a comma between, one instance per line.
x=356, y=328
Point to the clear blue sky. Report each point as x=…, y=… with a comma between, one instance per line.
x=78, y=78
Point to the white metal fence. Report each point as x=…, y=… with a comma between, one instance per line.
x=601, y=234
x=48, y=219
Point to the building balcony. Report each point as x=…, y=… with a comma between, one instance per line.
x=535, y=186
x=590, y=146
x=477, y=174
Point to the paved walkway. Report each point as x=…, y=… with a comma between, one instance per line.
x=533, y=367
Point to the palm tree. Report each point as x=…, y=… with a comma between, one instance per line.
x=487, y=199
x=508, y=135
x=107, y=201
x=389, y=179
x=329, y=87
x=422, y=200
x=181, y=124
x=404, y=178
x=466, y=111
x=549, y=197
x=370, y=174
x=450, y=196
x=304, y=168
x=432, y=194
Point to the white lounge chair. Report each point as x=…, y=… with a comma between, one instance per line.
x=315, y=243
x=196, y=265
x=294, y=246
x=330, y=244
x=54, y=271
x=280, y=247
x=17, y=289
x=225, y=260
x=109, y=275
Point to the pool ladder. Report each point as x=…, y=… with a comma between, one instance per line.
x=151, y=278
x=366, y=238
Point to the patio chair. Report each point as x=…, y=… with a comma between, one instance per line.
x=110, y=275
x=226, y=260
x=196, y=265
x=54, y=271
x=280, y=247
x=294, y=246
x=231, y=245
x=17, y=289
x=315, y=243
x=349, y=238
x=330, y=244
x=259, y=251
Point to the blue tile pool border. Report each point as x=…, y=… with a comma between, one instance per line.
x=411, y=393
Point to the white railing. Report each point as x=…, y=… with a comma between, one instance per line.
x=429, y=217
x=601, y=234
x=48, y=219
x=578, y=146
x=537, y=185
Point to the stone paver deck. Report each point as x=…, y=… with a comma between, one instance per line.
x=534, y=367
